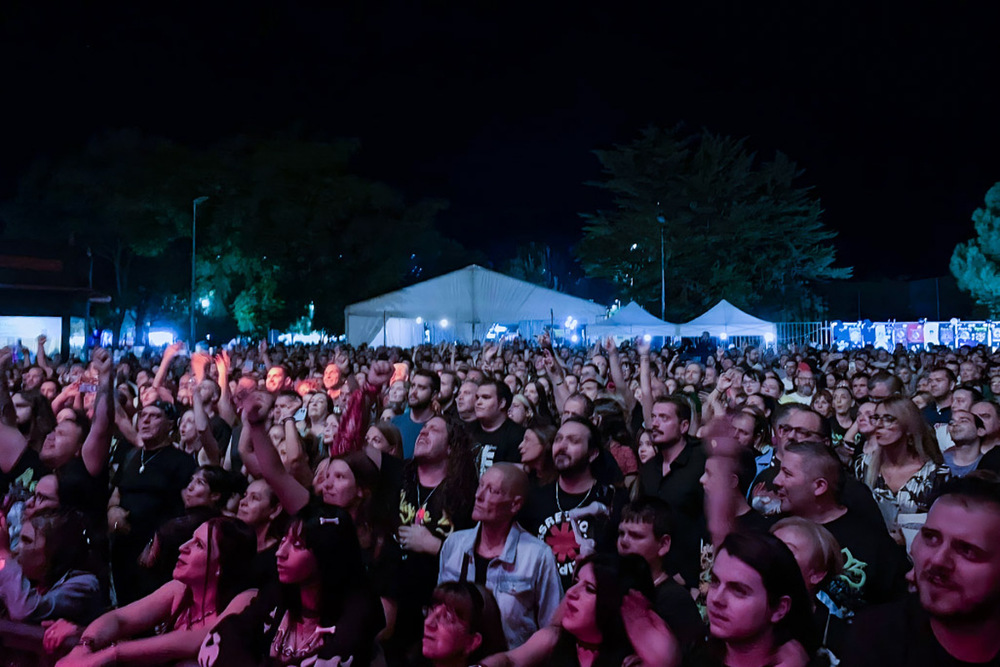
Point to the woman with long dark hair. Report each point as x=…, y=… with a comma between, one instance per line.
x=605, y=620
x=53, y=575
x=210, y=583
x=758, y=607
x=322, y=610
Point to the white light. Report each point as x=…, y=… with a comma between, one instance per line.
x=647, y=338
x=769, y=338
x=634, y=246
x=420, y=320
x=205, y=303
x=575, y=338
x=723, y=336
x=158, y=338
x=444, y=324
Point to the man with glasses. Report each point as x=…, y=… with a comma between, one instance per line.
x=805, y=386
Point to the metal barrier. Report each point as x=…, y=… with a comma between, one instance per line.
x=816, y=334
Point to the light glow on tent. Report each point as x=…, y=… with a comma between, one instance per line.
x=723, y=336
x=647, y=338
x=571, y=323
x=444, y=324
x=769, y=338
x=420, y=320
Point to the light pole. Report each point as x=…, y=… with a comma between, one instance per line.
x=194, y=247
x=663, y=269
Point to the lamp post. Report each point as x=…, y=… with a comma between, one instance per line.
x=194, y=247
x=663, y=268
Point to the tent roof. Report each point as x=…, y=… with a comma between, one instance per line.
x=725, y=317
x=475, y=294
x=635, y=315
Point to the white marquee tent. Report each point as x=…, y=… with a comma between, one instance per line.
x=463, y=305
x=632, y=320
x=725, y=318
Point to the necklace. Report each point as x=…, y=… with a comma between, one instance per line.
x=286, y=643
x=143, y=461
x=559, y=505
x=422, y=512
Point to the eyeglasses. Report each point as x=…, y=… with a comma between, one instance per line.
x=785, y=429
x=442, y=614
x=888, y=420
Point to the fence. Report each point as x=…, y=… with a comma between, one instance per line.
x=816, y=334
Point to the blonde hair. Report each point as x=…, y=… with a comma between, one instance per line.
x=827, y=555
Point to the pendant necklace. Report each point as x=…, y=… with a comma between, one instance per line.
x=422, y=512
x=559, y=505
x=143, y=461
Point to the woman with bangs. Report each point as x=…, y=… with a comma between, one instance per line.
x=461, y=625
x=906, y=468
x=209, y=584
x=322, y=611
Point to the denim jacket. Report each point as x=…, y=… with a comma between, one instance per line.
x=76, y=596
x=523, y=579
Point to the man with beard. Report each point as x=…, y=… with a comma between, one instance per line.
x=447, y=394
x=149, y=485
x=420, y=408
x=674, y=476
x=954, y=617
x=575, y=514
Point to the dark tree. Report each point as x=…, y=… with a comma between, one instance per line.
x=732, y=226
x=976, y=263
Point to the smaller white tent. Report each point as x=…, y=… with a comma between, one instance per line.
x=632, y=320
x=463, y=305
x=725, y=318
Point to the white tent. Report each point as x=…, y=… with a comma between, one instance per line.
x=632, y=320
x=463, y=305
x=725, y=318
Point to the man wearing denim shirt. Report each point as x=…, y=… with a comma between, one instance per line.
x=517, y=568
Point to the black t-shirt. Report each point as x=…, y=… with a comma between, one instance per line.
x=874, y=565
x=674, y=604
x=221, y=431
x=80, y=490
x=153, y=495
x=497, y=446
x=20, y=482
x=682, y=490
x=990, y=461
x=246, y=638
x=545, y=517
x=898, y=634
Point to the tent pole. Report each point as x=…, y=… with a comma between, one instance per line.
x=384, y=343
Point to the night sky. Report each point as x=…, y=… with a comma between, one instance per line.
x=892, y=111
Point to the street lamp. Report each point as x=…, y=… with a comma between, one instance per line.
x=194, y=247
x=663, y=268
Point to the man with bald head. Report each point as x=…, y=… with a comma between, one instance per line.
x=517, y=568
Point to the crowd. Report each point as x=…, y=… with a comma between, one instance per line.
x=503, y=504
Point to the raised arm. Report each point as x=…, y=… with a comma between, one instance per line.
x=557, y=378
x=255, y=442
x=7, y=415
x=97, y=447
x=645, y=381
x=199, y=361
x=168, y=357
x=226, y=409
x=617, y=376
x=41, y=359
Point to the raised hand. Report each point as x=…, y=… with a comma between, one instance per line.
x=200, y=362
x=379, y=373
x=101, y=360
